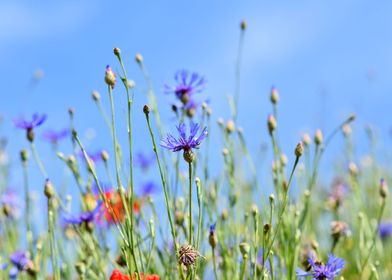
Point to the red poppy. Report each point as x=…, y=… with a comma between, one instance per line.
x=117, y=275
x=115, y=211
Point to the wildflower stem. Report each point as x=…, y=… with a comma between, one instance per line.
x=280, y=219
x=27, y=207
x=38, y=160
x=173, y=232
x=383, y=203
x=243, y=267
x=53, y=247
x=238, y=75
x=190, y=202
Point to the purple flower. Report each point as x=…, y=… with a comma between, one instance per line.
x=187, y=84
x=323, y=272
x=85, y=217
x=212, y=228
x=37, y=120
x=21, y=262
x=148, y=188
x=183, y=142
x=55, y=136
x=385, y=230
x=11, y=203
x=144, y=161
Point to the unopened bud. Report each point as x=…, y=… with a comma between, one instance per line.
x=139, y=58
x=346, y=129
x=274, y=95
x=254, y=210
x=243, y=24
x=318, y=137
x=383, y=188
x=299, y=150
x=24, y=155
x=271, y=122
x=244, y=249
x=353, y=169
x=71, y=111
x=104, y=155
x=95, y=95
x=48, y=189
x=116, y=51
x=110, y=77
x=146, y=109
x=306, y=139
x=230, y=126
x=266, y=228
x=179, y=218
x=283, y=160
x=225, y=214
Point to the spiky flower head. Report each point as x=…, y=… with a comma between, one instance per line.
x=188, y=255
x=188, y=83
x=36, y=120
x=320, y=271
x=183, y=142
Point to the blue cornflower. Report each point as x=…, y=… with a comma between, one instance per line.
x=85, y=217
x=144, y=161
x=212, y=238
x=55, y=136
x=148, y=188
x=385, y=230
x=323, y=272
x=37, y=120
x=183, y=142
x=20, y=262
x=187, y=84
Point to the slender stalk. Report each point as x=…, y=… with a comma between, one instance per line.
x=27, y=205
x=190, y=202
x=238, y=75
x=38, y=160
x=375, y=234
x=163, y=180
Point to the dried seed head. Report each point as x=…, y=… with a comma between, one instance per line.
x=318, y=137
x=188, y=255
x=338, y=230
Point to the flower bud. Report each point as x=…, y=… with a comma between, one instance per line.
x=104, y=155
x=338, y=230
x=346, y=129
x=283, y=160
x=139, y=58
x=243, y=24
x=383, y=188
x=189, y=156
x=110, y=77
x=271, y=124
x=274, y=95
x=244, y=249
x=48, y=189
x=225, y=214
x=30, y=134
x=24, y=155
x=95, y=95
x=266, y=228
x=318, y=137
x=230, y=126
x=117, y=52
x=306, y=139
x=146, y=109
x=179, y=217
x=353, y=169
x=254, y=210
x=299, y=150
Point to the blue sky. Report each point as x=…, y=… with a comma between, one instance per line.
x=327, y=59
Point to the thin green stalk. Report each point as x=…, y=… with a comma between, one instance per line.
x=375, y=234
x=27, y=205
x=238, y=75
x=243, y=268
x=190, y=202
x=173, y=232
x=53, y=247
x=38, y=160
x=214, y=263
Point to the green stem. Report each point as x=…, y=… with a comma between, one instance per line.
x=190, y=203
x=38, y=160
